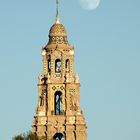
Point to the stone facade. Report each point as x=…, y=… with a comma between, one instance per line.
x=58, y=114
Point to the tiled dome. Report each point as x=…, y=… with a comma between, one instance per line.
x=57, y=34
x=57, y=30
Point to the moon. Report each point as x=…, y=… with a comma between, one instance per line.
x=89, y=4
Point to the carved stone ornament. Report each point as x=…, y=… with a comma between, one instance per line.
x=58, y=114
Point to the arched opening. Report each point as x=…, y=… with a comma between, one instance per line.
x=58, y=136
x=58, y=65
x=67, y=65
x=58, y=103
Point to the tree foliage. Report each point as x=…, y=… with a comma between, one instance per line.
x=26, y=136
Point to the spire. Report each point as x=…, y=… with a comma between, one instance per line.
x=57, y=12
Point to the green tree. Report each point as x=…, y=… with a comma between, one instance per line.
x=26, y=136
x=19, y=137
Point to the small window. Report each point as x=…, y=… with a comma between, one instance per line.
x=58, y=65
x=67, y=65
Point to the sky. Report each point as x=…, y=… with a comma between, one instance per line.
x=107, y=59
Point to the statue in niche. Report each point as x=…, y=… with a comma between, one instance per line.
x=41, y=99
x=75, y=103
x=42, y=79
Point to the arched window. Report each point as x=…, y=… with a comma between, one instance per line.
x=58, y=103
x=58, y=136
x=67, y=65
x=49, y=65
x=58, y=65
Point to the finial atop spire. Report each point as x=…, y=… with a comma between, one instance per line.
x=57, y=12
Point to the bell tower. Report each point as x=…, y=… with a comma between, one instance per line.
x=58, y=114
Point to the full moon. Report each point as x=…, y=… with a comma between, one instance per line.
x=89, y=4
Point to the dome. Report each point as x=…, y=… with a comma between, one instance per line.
x=57, y=30
x=57, y=34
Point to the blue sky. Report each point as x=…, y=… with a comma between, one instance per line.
x=107, y=59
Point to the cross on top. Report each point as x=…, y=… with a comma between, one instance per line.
x=57, y=3
x=57, y=11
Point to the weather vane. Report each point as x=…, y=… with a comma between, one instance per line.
x=57, y=12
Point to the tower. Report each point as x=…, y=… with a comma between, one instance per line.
x=58, y=114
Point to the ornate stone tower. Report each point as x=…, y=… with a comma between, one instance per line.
x=58, y=114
